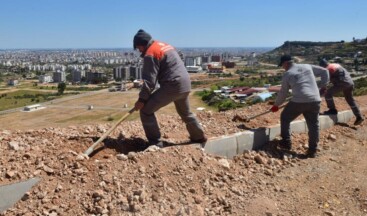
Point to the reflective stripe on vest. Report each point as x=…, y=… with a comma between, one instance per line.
x=158, y=49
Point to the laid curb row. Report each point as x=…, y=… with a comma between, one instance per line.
x=235, y=144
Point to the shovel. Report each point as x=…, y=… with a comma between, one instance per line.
x=12, y=193
x=239, y=118
x=91, y=148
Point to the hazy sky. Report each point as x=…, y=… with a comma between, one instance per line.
x=183, y=23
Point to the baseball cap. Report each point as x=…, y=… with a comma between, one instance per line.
x=323, y=63
x=284, y=58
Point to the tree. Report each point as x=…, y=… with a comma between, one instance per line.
x=69, y=77
x=356, y=63
x=61, y=88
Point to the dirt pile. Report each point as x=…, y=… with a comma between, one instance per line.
x=125, y=179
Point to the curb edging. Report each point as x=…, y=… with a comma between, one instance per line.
x=234, y=144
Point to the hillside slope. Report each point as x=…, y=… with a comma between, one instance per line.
x=125, y=179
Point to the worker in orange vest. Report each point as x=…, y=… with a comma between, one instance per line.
x=342, y=81
x=164, y=67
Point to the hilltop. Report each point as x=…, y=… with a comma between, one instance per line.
x=312, y=52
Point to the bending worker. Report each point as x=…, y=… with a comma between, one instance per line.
x=163, y=66
x=305, y=100
x=342, y=81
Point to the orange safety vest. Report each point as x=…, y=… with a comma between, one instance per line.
x=158, y=49
x=332, y=68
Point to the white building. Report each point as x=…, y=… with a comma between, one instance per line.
x=194, y=69
x=13, y=82
x=59, y=76
x=136, y=72
x=190, y=61
x=45, y=79
x=193, y=61
x=77, y=75
x=122, y=72
x=33, y=107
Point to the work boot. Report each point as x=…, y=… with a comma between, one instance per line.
x=359, y=120
x=312, y=153
x=330, y=112
x=202, y=140
x=285, y=144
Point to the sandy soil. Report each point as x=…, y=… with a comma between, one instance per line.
x=124, y=178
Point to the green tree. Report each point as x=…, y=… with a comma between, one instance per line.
x=226, y=104
x=61, y=88
x=69, y=77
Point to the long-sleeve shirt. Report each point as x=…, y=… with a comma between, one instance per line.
x=301, y=79
x=163, y=65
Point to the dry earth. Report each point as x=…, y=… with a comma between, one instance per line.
x=125, y=179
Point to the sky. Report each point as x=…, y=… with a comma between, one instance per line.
x=42, y=24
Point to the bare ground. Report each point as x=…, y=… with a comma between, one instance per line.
x=125, y=179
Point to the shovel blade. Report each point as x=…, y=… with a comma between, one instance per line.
x=12, y=193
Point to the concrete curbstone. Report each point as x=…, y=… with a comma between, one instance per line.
x=232, y=145
x=326, y=122
x=245, y=141
x=224, y=146
x=298, y=126
x=348, y=115
x=273, y=131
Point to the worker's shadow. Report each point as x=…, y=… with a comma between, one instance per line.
x=244, y=127
x=346, y=125
x=274, y=150
x=272, y=147
x=123, y=145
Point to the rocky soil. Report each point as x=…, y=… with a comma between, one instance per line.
x=124, y=178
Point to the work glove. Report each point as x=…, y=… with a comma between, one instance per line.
x=138, y=105
x=322, y=91
x=274, y=108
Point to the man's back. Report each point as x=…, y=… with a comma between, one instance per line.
x=170, y=68
x=339, y=75
x=301, y=80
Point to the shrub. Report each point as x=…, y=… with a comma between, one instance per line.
x=226, y=104
x=110, y=118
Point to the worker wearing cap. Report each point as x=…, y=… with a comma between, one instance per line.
x=342, y=81
x=300, y=78
x=163, y=66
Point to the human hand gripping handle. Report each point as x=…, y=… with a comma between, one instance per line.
x=138, y=105
x=274, y=108
x=322, y=91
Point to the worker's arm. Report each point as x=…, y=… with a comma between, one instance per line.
x=283, y=93
x=323, y=73
x=149, y=76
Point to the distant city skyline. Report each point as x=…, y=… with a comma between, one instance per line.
x=109, y=24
